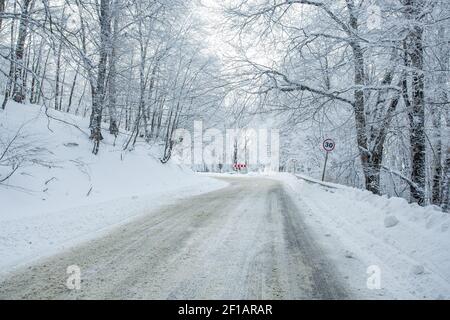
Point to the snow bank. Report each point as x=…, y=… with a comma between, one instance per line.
x=62, y=194
x=410, y=244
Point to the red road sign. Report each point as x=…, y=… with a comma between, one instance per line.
x=329, y=145
x=239, y=166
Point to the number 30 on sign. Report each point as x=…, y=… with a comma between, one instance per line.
x=329, y=145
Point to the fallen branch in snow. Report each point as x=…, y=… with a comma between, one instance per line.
x=8, y=156
x=49, y=180
x=401, y=176
x=62, y=121
x=13, y=170
x=17, y=152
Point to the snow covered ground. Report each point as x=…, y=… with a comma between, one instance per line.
x=62, y=194
x=408, y=245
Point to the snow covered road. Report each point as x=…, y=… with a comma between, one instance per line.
x=247, y=241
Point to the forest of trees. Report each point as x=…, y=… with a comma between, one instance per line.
x=372, y=72
x=135, y=65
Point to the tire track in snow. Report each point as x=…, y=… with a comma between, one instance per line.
x=247, y=241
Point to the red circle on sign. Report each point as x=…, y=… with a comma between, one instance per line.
x=328, y=145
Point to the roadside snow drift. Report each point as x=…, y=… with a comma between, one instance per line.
x=62, y=194
x=406, y=246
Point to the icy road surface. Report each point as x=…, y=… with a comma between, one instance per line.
x=247, y=241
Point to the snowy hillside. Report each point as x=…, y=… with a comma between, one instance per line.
x=62, y=194
x=409, y=244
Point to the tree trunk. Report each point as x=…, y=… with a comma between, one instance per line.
x=18, y=90
x=438, y=168
x=41, y=82
x=414, y=50
x=436, y=191
x=25, y=72
x=99, y=92
x=57, y=77
x=72, y=90
x=36, y=70
x=370, y=163
x=113, y=127
x=446, y=181
x=12, y=64
x=61, y=92
x=2, y=10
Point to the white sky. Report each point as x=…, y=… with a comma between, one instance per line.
x=210, y=13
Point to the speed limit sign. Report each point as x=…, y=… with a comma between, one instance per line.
x=329, y=145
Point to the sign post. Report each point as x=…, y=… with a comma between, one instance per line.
x=328, y=146
x=294, y=163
